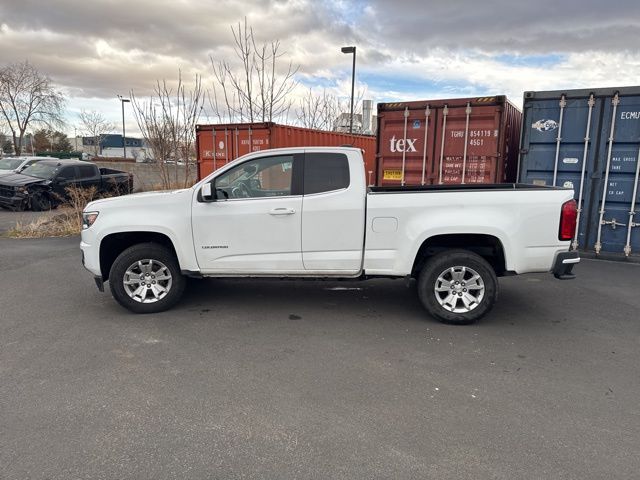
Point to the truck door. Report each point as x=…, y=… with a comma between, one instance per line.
x=89, y=176
x=333, y=214
x=254, y=226
x=66, y=177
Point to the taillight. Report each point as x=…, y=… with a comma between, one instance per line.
x=568, y=217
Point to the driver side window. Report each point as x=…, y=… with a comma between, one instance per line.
x=263, y=177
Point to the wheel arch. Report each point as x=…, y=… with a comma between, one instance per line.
x=114, y=244
x=487, y=246
x=44, y=191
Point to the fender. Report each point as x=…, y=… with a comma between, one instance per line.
x=466, y=222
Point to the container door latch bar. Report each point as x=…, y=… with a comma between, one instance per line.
x=598, y=246
x=591, y=103
x=632, y=210
x=445, y=112
x=563, y=103
x=427, y=112
x=467, y=111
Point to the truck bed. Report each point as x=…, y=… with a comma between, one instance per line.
x=523, y=218
x=465, y=187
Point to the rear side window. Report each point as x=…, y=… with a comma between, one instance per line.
x=87, y=171
x=67, y=173
x=324, y=172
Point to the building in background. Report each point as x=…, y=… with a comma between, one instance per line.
x=369, y=120
x=112, y=145
x=363, y=123
x=76, y=143
x=343, y=124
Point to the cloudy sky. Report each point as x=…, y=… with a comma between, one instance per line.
x=407, y=49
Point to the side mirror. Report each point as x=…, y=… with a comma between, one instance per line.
x=206, y=193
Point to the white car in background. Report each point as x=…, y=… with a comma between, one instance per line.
x=17, y=164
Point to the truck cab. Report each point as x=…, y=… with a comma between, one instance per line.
x=307, y=209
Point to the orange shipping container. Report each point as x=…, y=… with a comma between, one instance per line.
x=464, y=140
x=222, y=143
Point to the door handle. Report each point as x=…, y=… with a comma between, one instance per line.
x=282, y=211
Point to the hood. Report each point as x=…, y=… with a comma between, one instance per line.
x=18, y=180
x=159, y=197
x=4, y=172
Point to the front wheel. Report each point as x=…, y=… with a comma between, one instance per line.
x=40, y=202
x=458, y=287
x=146, y=278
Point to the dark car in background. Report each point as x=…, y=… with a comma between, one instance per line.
x=44, y=185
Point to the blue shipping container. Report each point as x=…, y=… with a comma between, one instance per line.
x=589, y=140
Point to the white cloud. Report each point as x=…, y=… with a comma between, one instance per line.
x=406, y=49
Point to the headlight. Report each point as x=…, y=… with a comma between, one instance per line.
x=89, y=218
x=21, y=189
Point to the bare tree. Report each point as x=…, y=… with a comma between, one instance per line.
x=257, y=87
x=168, y=121
x=318, y=111
x=95, y=125
x=28, y=98
x=322, y=111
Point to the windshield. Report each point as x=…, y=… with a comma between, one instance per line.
x=41, y=170
x=10, y=163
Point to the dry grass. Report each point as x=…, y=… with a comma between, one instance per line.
x=65, y=224
x=68, y=222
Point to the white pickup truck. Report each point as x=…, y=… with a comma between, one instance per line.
x=307, y=212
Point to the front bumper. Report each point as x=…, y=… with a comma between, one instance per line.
x=563, y=266
x=96, y=278
x=16, y=202
x=90, y=246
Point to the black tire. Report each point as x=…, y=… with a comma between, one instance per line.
x=146, y=251
x=438, y=265
x=40, y=202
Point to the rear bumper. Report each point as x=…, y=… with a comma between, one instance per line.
x=563, y=266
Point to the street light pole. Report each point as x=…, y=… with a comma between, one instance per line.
x=353, y=81
x=124, y=138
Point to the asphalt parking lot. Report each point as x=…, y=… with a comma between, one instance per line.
x=308, y=379
x=9, y=218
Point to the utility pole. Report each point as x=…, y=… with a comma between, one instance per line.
x=353, y=79
x=124, y=138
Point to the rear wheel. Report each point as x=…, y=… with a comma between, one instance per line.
x=458, y=287
x=146, y=278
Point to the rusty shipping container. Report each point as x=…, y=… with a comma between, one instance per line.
x=464, y=140
x=222, y=143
